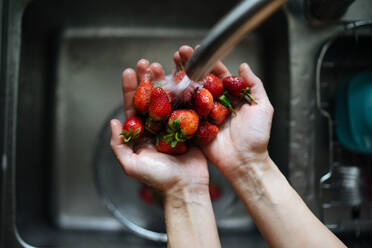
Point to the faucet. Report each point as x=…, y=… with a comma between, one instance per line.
x=227, y=33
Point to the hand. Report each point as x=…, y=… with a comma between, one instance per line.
x=159, y=170
x=243, y=138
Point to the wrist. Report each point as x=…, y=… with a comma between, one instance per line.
x=249, y=165
x=251, y=179
x=181, y=195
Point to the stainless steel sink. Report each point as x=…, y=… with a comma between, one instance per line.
x=72, y=56
x=60, y=75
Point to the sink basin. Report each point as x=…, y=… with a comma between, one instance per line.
x=72, y=56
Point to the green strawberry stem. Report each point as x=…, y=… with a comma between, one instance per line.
x=248, y=99
x=179, y=136
x=225, y=101
x=127, y=136
x=135, y=134
x=252, y=98
x=150, y=130
x=180, y=65
x=247, y=95
x=174, y=143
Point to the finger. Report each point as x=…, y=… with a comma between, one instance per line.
x=220, y=70
x=116, y=138
x=185, y=53
x=129, y=86
x=177, y=60
x=143, y=69
x=257, y=88
x=157, y=72
x=125, y=155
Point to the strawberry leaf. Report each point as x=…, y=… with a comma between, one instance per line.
x=177, y=123
x=225, y=101
x=127, y=139
x=124, y=133
x=138, y=130
x=177, y=136
x=169, y=130
x=169, y=138
x=174, y=143
x=170, y=123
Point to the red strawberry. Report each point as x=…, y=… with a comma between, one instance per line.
x=218, y=113
x=150, y=195
x=132, y=128
x=146, y=195
x=153, y=126
x=214, y=191
x=186, y=120
x=160, y=107
x=238, y=86
x=179, y=76
x=203, y=102
x=206, y=133
x=141, y=99
x=214, y=85
x=182, y=124
x=164, y=145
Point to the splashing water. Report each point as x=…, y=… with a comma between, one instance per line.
x=179, y=92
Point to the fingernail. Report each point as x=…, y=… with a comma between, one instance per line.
x=184, y=47
x=143, y=61
x=114, y=122
x=127, y=71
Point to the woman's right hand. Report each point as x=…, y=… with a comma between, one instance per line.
x=243, y=138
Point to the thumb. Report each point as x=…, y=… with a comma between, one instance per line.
x=256, y=85
x=127, y=158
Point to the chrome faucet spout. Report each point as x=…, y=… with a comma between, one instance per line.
x=227, y=33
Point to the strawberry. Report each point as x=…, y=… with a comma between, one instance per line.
x=153, y=126
x=160, y=107
x=238, y=86
x=218, y=113
x=182, y=124
x=178, y=76
x=203, y=102
x=146, y=195
x=185, y=120
x=206, y=133
x=214, y=191
x=132, y=128
x=165, y=145
x=214, y=85
x=141, y=99
x=150, y=195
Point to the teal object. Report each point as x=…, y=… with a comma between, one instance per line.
x=353, y=113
